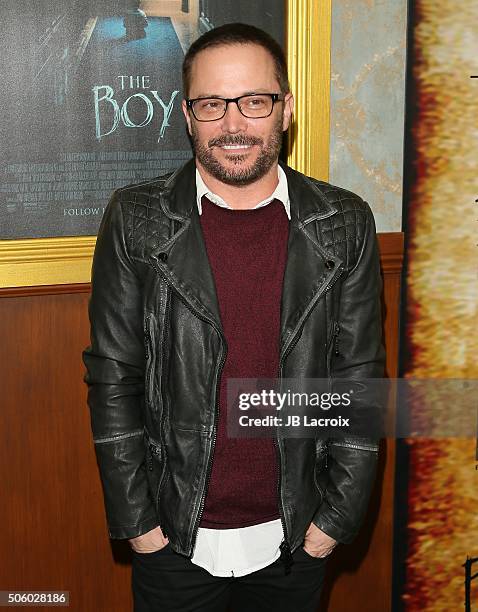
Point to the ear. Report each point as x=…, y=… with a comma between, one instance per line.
x=288, y=111
x=187, y=115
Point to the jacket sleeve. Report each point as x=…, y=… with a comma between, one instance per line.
x=115, y=365
x=352, y=460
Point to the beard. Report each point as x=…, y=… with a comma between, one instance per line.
x=268, y=155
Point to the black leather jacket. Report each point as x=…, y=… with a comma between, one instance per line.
x=157, y=350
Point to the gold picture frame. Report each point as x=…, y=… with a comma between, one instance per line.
x=67, y=260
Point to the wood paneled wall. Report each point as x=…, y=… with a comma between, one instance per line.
x=360, y=575
x=54, y=534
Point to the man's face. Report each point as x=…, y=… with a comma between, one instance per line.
x=235, y=149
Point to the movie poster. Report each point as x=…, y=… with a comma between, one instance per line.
x=91, y=101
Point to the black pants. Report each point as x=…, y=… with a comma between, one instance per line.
x=165, y=581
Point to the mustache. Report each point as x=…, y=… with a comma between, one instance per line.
x=240, y=139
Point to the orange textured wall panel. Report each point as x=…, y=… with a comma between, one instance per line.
x=442, y=296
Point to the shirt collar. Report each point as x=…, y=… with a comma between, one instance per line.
x=280, y=193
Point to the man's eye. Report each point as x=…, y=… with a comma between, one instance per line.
x=257, y=102
x=210, y=104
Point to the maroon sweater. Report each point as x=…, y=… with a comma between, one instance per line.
x=247, y=250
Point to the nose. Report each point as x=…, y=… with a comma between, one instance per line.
x=233, y=121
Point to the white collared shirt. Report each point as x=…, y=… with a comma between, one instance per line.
x=241, y=551
x=281, y=193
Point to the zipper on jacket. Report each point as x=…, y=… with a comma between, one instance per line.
x=216, y=401
x=154, y=450
x=160, y=454
x=164, y=340
x=150, y=458
x=149, y=357
x=213, y=445
x=323, y=452
x=336, y=338
x=285, y=546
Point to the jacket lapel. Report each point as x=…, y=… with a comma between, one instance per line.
x=310, y=269
x=183, y=259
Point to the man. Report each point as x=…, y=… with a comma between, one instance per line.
x=233, y=267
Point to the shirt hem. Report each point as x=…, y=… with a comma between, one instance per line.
x=238, y=573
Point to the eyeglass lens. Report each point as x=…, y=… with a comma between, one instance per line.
x=250, y=106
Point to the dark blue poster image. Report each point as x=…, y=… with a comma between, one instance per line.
x=91, y=101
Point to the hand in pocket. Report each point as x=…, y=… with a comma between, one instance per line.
x=151, y=541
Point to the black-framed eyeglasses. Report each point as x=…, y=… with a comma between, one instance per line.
x=252, y=106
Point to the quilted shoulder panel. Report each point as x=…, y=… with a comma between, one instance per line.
x=146, y=224
x=343, y=232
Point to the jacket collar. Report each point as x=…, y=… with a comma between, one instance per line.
x=310, y=268
x=307, y=201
